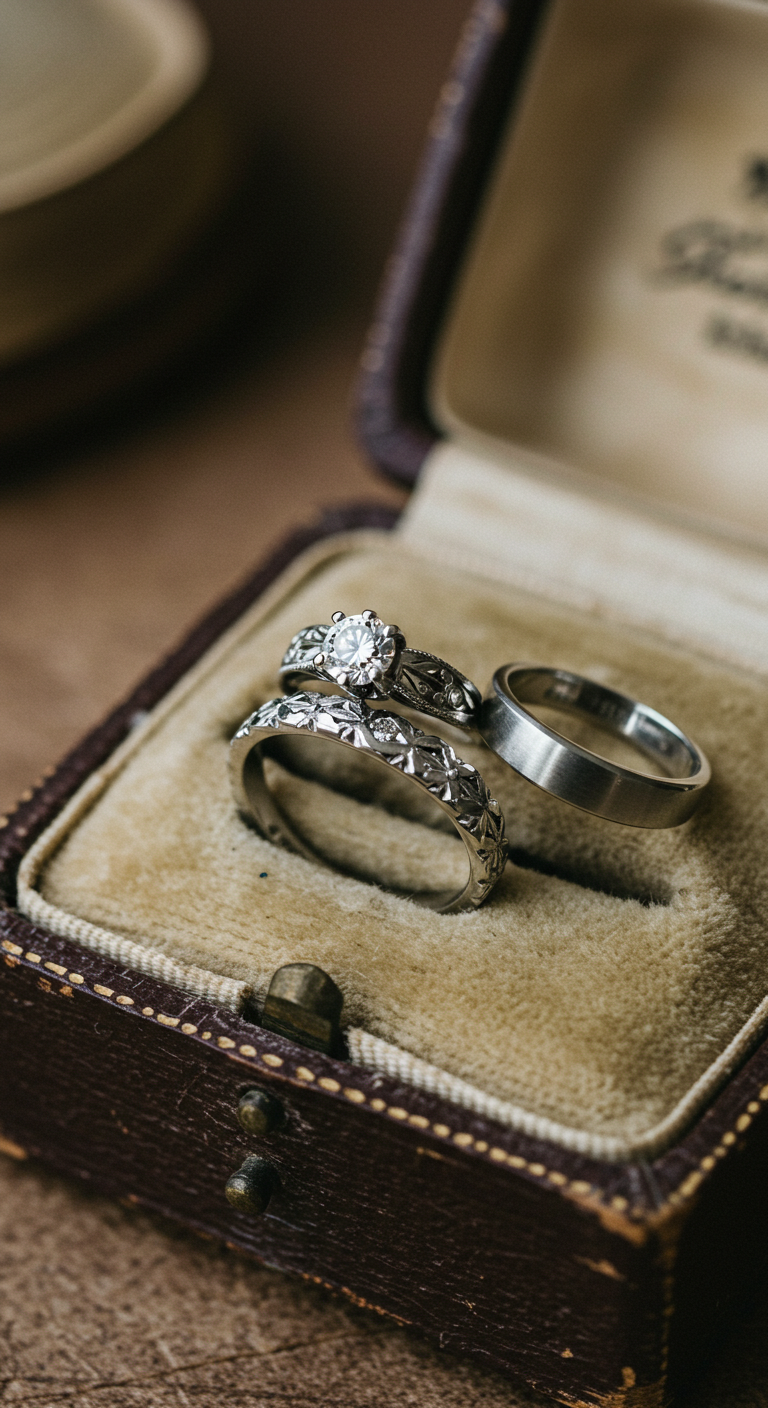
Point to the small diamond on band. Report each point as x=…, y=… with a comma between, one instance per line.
x=384, y=728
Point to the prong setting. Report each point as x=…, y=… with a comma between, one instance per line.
x=368, y=658
x=360, y=652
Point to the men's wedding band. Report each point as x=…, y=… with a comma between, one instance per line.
x=423, y=760
x=583, y=778
x=368, y=659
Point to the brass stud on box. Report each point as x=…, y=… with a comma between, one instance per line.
x=258, y=1112
x=251, y=1187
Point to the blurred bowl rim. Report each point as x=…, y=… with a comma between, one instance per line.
x=181, y=51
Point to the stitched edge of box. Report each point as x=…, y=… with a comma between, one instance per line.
x=375, y=1054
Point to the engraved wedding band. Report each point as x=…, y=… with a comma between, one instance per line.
x=576, y=775
x=423, y=760
x=367, y=659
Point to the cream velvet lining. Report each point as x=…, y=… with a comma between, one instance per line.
x=599, y=1020
x=612, y=313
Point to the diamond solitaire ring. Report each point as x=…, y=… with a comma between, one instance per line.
x=285, y=729
x=368, y=659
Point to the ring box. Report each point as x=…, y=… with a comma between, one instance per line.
x=546, y=1144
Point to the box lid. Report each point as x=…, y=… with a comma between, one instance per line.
x=581, y=282
x=393, y=419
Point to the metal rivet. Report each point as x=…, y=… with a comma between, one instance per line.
x=304, y=1004
x=250, y=1189
x=258, y=1112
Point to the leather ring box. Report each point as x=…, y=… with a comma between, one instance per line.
x=591, y=1245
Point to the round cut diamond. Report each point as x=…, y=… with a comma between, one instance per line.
x=358, y=651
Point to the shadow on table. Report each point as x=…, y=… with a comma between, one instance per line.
x=275, y=267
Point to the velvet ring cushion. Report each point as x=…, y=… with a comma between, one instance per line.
x=614, y=975
x=576, y=774
x=418, y=772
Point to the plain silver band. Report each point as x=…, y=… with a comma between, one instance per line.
x=576, y=775
x=430, y=763
x=421, y=681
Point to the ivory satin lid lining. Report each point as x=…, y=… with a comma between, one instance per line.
x=612, y=311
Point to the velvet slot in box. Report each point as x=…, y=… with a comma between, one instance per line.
x=547, y=1144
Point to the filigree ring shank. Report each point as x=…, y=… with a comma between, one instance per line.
x=367, y=659
x=424, y=760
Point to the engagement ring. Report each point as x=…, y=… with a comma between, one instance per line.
x=367, y=659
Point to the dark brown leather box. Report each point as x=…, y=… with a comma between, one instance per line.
x=597, y=1281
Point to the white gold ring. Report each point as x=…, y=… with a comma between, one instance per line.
x=368, y=659
x=424, y=761
x=579, y=776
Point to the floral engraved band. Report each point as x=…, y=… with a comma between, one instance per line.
x=370, y=660
x=426, y=762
